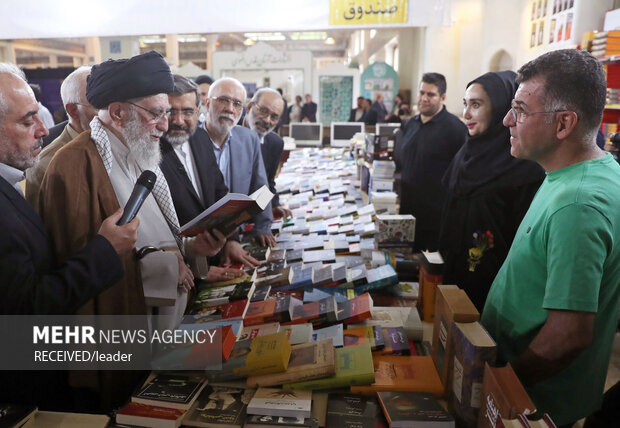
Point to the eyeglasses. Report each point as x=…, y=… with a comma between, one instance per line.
x=186, y=112
x=266, y=112
x=224, y=101
x=157, y=116
x=520, y=115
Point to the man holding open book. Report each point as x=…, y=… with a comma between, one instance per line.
x=553, y=307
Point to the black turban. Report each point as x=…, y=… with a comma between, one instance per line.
x=123, y=79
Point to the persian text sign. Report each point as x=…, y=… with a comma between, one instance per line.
x=367, y=12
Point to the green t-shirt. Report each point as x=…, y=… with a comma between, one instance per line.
x=565, y=255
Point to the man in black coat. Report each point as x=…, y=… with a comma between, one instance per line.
x=357, y=114
x=308, y=110
x=263, y=113
x=33, y=282
x=191, y=169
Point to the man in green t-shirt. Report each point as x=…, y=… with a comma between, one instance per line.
x=553, y=307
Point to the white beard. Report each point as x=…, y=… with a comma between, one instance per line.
x=142, y=151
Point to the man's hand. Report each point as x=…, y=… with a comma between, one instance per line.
x=266, y=240
x=209, y=243
x=234, y=253
x=217, y=273
x=122, y=238
x=281, y=211
x=186, y=277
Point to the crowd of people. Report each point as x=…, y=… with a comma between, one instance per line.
x=517, y=197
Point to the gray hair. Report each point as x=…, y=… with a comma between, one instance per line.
x=70, y=88
x=182, y=86
x=227, y=79
x=262, y=91
x=9, y=68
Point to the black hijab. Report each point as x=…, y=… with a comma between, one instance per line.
x=485, y=161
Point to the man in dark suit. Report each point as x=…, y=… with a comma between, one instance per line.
x=263, y=113
x=237, y=149
x=33, y=282
x=308, y=110
x=357, y=114
x=191, y=170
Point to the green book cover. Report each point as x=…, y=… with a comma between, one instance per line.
x=353, y=367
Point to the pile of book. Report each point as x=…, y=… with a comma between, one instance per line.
x=606, y=43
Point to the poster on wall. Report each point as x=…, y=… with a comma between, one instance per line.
x=541, y=32
x=380, y=78
x=335, y=98
x=533, y=35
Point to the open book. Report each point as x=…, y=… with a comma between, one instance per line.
x=229, y=212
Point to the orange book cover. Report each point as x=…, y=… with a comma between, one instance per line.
x=403, y=373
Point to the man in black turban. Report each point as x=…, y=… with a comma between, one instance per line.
x=94, y=175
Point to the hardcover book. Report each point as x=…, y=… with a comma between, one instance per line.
x=355, y=310
x=281, y=402
x=401, y=373
x=229, y=212
x=149, y=416
x=219, y=406
x=473, y=347
x=268, y=354
x=413, y=409
x=354, y=366
x=353, y=411
x=311, y=360
x=176, y=391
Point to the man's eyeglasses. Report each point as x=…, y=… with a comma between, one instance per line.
x=157, y=116
x=224, y=101
x=520, y=115
x=186, y=112
x=266, y=112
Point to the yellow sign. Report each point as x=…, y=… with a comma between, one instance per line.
x=365, y=12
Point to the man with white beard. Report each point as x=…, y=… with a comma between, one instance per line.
x=263, y=114
x=192, y=173
x=96, y=173
x=237, y=149
x=80, y=112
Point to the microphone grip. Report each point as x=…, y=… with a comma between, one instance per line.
x=135, y=201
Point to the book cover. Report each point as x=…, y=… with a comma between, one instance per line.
x=226, y=371
x=145, y=415
x=333, y=332
x=355, y=310
x=473, y=347
x=353, y=366
x=371, y=335
x=410, y=409
x=395, y=230
x=229, y=212
x=281, y=402
x=396, y=342
x=201, y=355
x=403, y=373
x=320, y=312
x=260, y=293
x=380, y=277
x=219, y=406
x=324, y=256
x=452, y=304
x=353, y=411
x=252, y=331
x=268, y=354
x=214, y=296
x=503, y=396
x=264, y=421
x=270, y=310
x=310, y=360
x=298, y=333
x=176, y=391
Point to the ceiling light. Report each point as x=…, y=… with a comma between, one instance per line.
x=265, y=36
x=248, y=42
x=330, y=41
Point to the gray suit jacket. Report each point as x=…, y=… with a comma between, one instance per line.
x=247, y=171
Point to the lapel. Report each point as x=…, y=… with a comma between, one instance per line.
x=21, y=205
x=200, y=143
x=178, y=168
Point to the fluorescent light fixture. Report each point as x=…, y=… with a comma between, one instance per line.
x=265, y=36
x=309, y=35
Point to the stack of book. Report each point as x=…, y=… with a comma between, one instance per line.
x=606, y=43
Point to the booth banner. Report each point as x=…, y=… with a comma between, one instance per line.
x=367, y=12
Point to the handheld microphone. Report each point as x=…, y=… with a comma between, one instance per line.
x=140, y=191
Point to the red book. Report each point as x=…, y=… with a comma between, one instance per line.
x=145, y=415
x=270, y=310
x=355, y=310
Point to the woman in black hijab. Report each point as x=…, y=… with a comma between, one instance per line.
x=489, y=191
